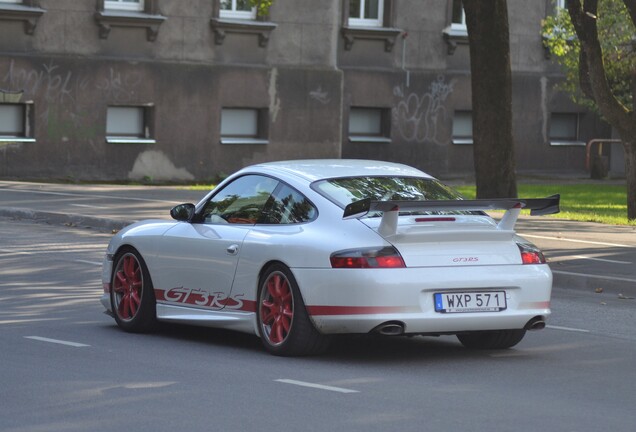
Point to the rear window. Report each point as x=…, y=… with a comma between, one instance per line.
x=346, y=190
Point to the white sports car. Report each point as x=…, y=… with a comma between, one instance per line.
x=297, y=251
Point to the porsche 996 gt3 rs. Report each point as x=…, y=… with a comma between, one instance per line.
x=298, y=251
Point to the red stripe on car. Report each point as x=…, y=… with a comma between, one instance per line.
x=358, y=310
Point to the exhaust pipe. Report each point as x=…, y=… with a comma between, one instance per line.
x=536, y=323
x=389, y=329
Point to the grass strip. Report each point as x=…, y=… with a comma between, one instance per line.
x=581, y=202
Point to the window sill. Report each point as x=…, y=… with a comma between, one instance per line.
x=454, y=36
x=129, y=140
x=222, y=26
x=561, y=143
x=386, y=34
x=243, y=141
x=19, y=12
x=10, y=139
x=111, y=18
x=369, y=139
x=462, y=141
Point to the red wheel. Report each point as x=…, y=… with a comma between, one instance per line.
x=283, y=323
x=276, y=308
x=132, y=296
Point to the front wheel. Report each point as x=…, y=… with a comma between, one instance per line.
x=132, y=296
x=491, y=339
x=283, y=323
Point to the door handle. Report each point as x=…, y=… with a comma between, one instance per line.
x=232, y=249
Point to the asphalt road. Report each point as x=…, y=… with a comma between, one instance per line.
x=65, y=366
x=589, y=256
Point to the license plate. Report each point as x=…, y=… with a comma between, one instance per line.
x=463, y=302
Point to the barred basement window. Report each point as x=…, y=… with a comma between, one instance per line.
x=463, y=127
x=128, y=125
x=564, y=129
x=15, y=123
x=369, y=125
x=243, y=126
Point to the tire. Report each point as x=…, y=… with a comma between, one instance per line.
x=283, y=323
x=492, y=339
x=132, y=296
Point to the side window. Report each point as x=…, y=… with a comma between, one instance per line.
x=238, y=9
x=289, y=206
x=130, y=5
x=458, y=19
x=366, y=13
x=240, y=202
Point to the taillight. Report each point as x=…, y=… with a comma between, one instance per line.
x=530, y=254
x=387, y=257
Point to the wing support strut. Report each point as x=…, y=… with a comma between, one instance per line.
x=513, y=206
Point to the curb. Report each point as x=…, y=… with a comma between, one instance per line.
x=591, y=282
x=101, y=224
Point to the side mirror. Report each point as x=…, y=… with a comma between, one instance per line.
x=183, y=212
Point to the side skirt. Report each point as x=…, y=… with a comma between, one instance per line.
x=239, y=321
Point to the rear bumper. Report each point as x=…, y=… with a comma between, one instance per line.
x=358, y=300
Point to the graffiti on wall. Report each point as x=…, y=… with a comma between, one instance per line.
x=118, y=87
x=418, y=118
x=320, y=95
x=54, y=84
x=60, y=88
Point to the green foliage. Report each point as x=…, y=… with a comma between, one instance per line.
x=581, y=202
x=616, y=34
x=262, y=6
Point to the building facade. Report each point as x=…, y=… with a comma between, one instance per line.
x=188, y=90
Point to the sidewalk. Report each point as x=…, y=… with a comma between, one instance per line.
x=582, y=255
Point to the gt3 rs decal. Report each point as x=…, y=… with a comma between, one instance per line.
x=360, y=310
x=204, y=299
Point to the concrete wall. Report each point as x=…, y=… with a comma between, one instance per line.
x=304, y=77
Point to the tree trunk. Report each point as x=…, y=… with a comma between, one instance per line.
x=594, y=82
x=491, y=79
x=630, y=173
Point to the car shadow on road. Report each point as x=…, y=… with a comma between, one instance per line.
x=346, y=349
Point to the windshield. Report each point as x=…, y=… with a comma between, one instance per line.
x=346, y=190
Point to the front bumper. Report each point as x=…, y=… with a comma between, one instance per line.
x=107, y=270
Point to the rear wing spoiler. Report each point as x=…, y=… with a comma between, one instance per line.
x=513, y=206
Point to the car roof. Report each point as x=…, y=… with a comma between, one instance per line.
x=318, y=169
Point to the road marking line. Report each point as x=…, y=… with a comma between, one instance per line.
x=567, y=329
x=316, y=386
x=614, y=278
x=10, y=251
x=576, y=241
x=57, y=341
x=89, y=206
x=89, y=262
x=601, y=259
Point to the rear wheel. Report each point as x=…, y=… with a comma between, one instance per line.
x=283, y=323
x=132, y=295
x=491, y=339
